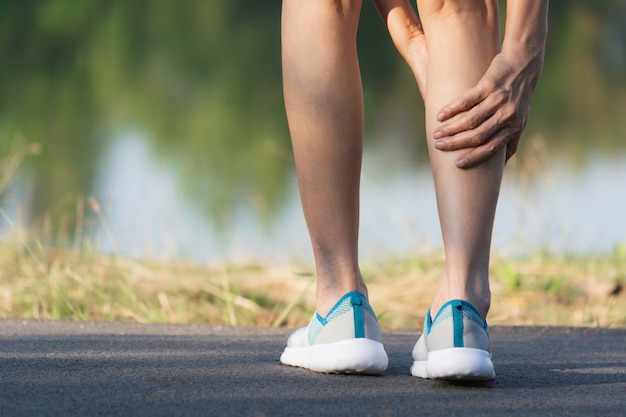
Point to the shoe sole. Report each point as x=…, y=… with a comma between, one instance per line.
x=352, y=356
x=456, y=364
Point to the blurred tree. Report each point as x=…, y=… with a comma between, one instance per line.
x=202, y=80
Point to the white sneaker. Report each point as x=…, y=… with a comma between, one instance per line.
x=454, y=346
x=347, y=340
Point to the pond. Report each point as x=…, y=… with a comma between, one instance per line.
x=162, y=135
x=564, y=209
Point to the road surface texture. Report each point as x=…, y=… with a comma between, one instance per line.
x=55, y=368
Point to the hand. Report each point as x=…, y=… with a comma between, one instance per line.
x=493, y=114
x=407, y=35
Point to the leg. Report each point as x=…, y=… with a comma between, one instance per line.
x=324, y=103
x=462, y=38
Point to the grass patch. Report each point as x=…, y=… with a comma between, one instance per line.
x=41, y=283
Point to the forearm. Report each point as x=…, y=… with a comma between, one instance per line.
x=526, y=29
x=399, y=17
x=407, y=35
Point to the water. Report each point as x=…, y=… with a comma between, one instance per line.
x=564, y=210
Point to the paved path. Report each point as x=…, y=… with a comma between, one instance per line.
x=89, y=369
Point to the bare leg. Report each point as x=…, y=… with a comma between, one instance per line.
x=324, y=103
x=462, y=38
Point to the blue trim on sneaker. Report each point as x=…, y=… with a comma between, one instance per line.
x=359, y=316
x=428, y=322
x=466, y=310
x=358, y=303
x=457, y=322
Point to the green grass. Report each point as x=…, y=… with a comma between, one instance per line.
x=37, y=282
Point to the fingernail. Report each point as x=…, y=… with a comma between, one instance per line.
x=461, y=163
x=437, y=134
x=440, y=116
x=439, y=144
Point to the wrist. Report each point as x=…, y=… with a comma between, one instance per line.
x=525, y=52
x=530, y=45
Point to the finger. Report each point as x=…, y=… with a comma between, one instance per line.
x=472, y=119
x=463, y=103
x=484, y=152
x=470, y=138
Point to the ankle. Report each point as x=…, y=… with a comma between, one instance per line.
x=476, y=292
x=334, y=280
x=327, y=297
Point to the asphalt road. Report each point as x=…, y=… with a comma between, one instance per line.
x=92, y=369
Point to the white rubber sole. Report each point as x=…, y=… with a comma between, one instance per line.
x=352, y=356
x=456, y=364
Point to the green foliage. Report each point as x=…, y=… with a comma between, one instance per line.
x=202, y=80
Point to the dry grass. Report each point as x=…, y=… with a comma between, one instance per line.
x=546, y=290
x=539, y=290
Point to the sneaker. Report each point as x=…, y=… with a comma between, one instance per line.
x=454, y=346
x=347, y=340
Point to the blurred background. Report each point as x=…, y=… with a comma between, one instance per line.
x=156, y=130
